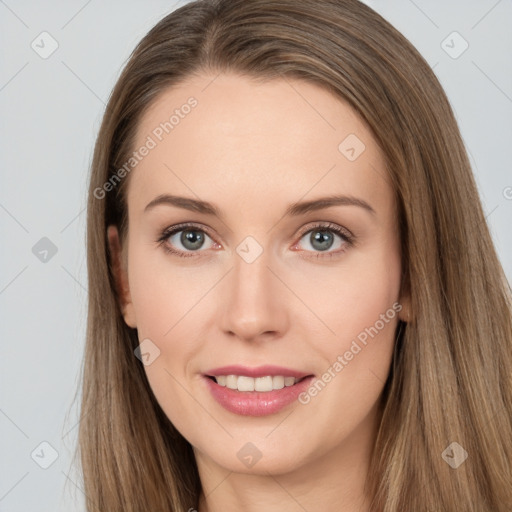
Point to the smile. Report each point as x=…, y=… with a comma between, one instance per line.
x=255, y=391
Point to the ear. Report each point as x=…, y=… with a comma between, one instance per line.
x=405, y=314
x=118, y=266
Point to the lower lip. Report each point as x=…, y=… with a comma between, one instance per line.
x=256, y=403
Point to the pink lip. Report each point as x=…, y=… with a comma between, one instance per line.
x=259, y=371
x=256, y=403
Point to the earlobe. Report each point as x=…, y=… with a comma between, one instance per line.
x=120, y=274
x=405, y=314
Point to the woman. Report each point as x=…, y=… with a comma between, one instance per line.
x=294, y=301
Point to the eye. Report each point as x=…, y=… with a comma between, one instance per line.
x=188, y=239
x=323, y=237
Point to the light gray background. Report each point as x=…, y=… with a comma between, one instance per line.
x=50, y=111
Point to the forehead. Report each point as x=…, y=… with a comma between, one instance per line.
x=231, y=134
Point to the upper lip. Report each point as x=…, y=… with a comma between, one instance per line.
x=257, y=371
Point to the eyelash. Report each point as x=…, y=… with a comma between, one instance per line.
x=346, y=236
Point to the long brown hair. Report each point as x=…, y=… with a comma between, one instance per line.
x=451, y=379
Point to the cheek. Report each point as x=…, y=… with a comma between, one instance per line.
x=163, y=291
x=168, y=302
x=362, y=310
x=351, y=298
x=164, y=311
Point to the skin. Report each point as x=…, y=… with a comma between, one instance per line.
x=252, y=149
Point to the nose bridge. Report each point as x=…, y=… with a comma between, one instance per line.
x=252, y=278
x=254, y=305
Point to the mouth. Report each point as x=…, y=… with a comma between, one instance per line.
x=256, y=391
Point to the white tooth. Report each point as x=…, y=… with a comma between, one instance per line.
x=278, y=382
x=231, y=381
x=289, y=381
x=245, y=383
x=263, y=383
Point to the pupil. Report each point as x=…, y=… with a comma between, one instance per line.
x=323, y=238
x=192, y=239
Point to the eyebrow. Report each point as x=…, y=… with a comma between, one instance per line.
x=295, y=209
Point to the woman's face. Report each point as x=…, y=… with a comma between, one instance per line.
x=266, y=283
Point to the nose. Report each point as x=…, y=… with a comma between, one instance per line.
x=255, y=302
